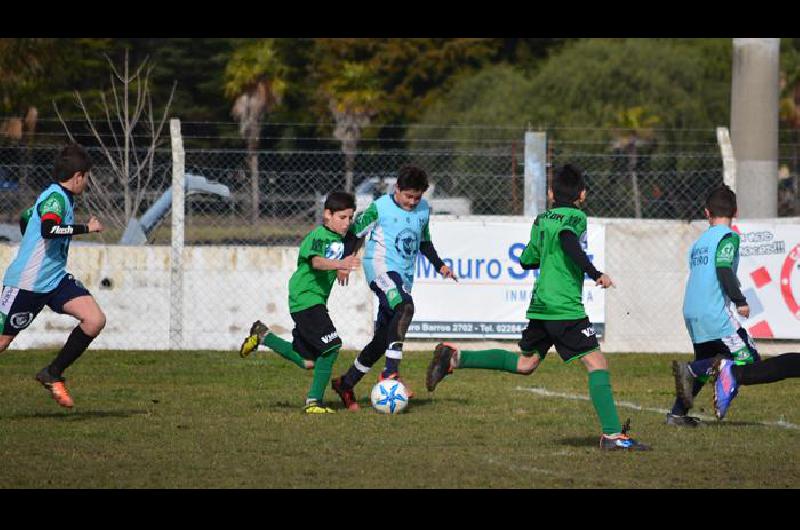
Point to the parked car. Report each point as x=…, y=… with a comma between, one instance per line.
x=373, y=187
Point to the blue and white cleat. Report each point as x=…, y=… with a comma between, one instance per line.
x=725, y=386
x=621, y=441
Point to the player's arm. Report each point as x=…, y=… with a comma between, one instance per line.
x=429, y=251
x=572, y=248
x=348, y=263
x=364, y=221
x=50, y=211
x=727, y=250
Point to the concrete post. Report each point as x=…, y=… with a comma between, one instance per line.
x=755, y=86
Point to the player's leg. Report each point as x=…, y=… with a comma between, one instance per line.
x=576, y=339
x=316, y=339
x=373, y=351
x=5, y=342
x=728, y=376
x=400, y=311
x=261, y=334
x=447, y=358
x=534, y=345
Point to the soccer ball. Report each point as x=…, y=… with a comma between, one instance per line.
x=389, y=396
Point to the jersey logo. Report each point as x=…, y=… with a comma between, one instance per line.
x=334, y=250
x=53, y=205
x=329, y=337
x=589, y=331
x=21, y=320
x=406, y=244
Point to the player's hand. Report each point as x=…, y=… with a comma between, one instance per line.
x=604, y=281
x=94, y=225
x=743, y=310
x=447, y=273
x=351, y=263
x=342, y=277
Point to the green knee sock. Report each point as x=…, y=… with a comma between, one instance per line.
x=284, y=349
x=323, y=367
x=603, y=401
x=489, y=359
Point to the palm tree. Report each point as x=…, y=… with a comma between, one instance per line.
x=633, y=130
x=353, y=96
x=255, y=80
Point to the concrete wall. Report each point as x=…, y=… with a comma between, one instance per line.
x=226, y=288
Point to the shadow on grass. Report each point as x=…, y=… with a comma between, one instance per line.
x=81, y=415
x=589, y=441
x=366, y=404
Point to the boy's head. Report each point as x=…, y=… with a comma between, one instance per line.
x=412, y=182
x=338, y=211
x=721, y=203
x=568, y=185
x=71, y=167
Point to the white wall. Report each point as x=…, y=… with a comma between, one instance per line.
x=226, y=288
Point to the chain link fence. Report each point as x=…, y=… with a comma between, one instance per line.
x=272, y=198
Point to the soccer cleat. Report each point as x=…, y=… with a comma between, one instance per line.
x=258, y=331
x=56, y=387
x=684, y=380
x=347, y=395
x=409, y=393
x=317, y=408
x=725, y=386
x=621, y=441
x=440, y=366
x=682, y=421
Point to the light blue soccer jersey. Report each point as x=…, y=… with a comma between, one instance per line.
x=393, y=237
x=41, y=263
x=707, y=309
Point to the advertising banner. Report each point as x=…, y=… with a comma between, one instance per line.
x=769, y=272
x=493, y=292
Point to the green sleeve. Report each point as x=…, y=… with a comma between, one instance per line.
x=54, y=203
x=530, y=256
x=426, y=232
x=727, y=250
x=365, y=221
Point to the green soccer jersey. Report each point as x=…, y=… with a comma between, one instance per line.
x=309, y=286
x=557, y=293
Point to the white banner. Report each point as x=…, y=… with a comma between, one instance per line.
x=493, y=292
x=769, y=271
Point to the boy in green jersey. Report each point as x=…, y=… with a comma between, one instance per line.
x=315, y=343
x=556, y=313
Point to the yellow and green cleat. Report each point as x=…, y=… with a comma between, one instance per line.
x=314, y=407
x=258, y=331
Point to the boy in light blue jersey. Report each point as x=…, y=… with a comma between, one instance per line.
x=396, y=230
x=711, y=291
x=38, y=276
x=724, y=352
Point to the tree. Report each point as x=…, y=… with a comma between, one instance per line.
x=130, y=168
x=353, y=98
x=254, y=79
x=633, y=132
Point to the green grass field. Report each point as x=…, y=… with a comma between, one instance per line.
x=213, y=420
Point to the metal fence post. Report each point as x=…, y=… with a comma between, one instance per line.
x=176, y=256
x=535, y=196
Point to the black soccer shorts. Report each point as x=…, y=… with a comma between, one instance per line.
x=19, y=307
x=572, y=338
x=314, y=333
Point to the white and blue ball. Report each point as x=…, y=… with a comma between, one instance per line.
x=389, y=397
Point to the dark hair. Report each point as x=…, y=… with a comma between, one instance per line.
x=568, y=183
x=72, y=158
x=412, y=178
x=340, y=200
x=721, y=202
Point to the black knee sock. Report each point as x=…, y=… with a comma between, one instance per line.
x=76, y=344
x=769, y=370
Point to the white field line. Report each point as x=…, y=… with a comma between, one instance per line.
x=627, y=404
